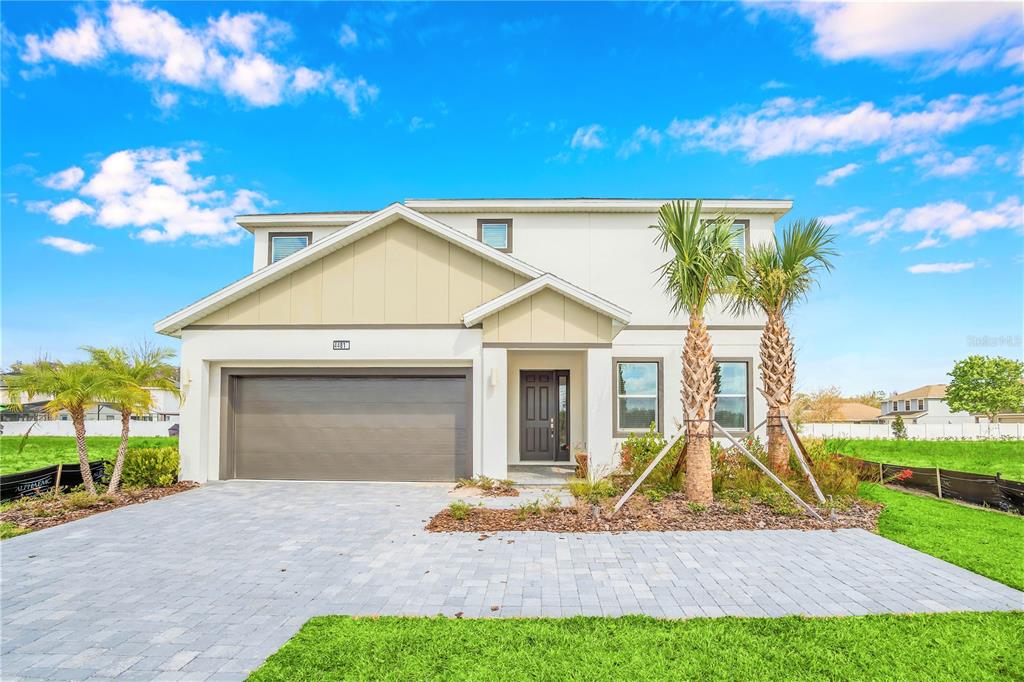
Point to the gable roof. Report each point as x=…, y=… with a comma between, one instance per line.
x=852, y=412
x=929, y=391
x=548, y=281
x=173, y=324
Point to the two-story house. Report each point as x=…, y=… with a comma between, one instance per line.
x=443, y=338
x=923, y=405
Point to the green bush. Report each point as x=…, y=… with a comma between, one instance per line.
x=592, y=491
x=150, y=467
x=459, y=510
x=640, y=449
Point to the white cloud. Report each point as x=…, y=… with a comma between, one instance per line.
x=940, y=268
x=417, y=123
x=947, y=165
x=80, y=45
x=784, y=126
x=838, y=219
x=836, y=174
x=588, y=137
x=66, y=211
x=959, y=35
x=68, y=245
x=156, y=192
x=348, y=36
x=950, y=219
x=230, y=53
x=69, y=178
x=774, y=85
x=641, y=136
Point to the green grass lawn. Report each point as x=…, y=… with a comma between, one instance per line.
x=985, y=542
x=1004, y=457
x=953, y=646
x=43, y=451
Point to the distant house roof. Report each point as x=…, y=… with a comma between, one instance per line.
x=857, y=412
x=929, y=391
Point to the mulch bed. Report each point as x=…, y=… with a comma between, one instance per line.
x=641, y=514
x=496, y=490
x=54, y=510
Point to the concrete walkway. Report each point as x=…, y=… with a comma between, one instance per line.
x=208, y=583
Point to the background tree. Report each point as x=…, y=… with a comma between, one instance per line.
x=130, y=374
x=775, y=277
x=986, y=385
x=702, y=262
x=899, y=429
x=75, y=386
x=871, y=398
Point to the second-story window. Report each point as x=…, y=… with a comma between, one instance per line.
x=739, y=237
x=284, y=244
x=496, y=232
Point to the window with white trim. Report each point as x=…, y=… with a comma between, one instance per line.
x=731, y=396
x=495, y=232
x=284, y=245
x=636, y=395
x=739, y=237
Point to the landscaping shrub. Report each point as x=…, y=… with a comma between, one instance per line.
x=637, y=452
x=592, y=491
x=151, y=467
x=459, y=510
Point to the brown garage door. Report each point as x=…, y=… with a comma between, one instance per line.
x=372, y=428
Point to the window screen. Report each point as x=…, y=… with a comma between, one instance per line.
x=282, y=247
x=731, y=397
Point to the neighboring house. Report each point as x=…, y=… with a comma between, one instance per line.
x=857, y=413
x=445, y=338
x=923, y=405
x=165, y=407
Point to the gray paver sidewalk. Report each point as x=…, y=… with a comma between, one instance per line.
x=208, y=583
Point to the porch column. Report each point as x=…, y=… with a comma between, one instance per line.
x=494, y=409
x=599, y=410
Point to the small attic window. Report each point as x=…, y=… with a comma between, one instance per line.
x=495, y=232
x=284, y=244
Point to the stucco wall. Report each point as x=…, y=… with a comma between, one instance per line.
x=547, y=317
x=399, y=274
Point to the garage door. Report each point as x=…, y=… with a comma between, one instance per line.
x=370, y=428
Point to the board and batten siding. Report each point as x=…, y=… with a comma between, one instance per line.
x=547, y=317
x=399, y=274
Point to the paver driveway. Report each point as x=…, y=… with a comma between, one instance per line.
x=208, y=583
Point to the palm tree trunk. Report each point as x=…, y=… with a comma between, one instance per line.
x=78, y=420
x=122, y=449
x=778, y=370
x=698, y=396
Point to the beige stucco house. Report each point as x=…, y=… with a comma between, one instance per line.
x=436, y=339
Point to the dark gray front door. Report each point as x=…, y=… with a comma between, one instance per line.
x=538, y=406
x=376, y=428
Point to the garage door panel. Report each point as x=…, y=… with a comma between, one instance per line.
x=350, y=428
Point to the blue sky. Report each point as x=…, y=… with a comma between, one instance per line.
x=131, y=133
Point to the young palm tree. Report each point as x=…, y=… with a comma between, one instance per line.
x=701, y=267
x=774, y=278
x=130, y=375
x=75, y=387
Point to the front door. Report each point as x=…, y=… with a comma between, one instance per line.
x=543, y=416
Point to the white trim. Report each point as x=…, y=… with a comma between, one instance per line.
x=581, y=296
x=776, y=208
x=172, y=324
x=251, y=222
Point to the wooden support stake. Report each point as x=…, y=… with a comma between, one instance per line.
x=56, y=485
x=938, y=482
x=647, y=471
x=798, y=448
x=768, y=472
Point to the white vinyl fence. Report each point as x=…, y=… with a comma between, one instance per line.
x=917, y=431
x=57, y=427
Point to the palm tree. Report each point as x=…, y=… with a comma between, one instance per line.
x=701, y=267
x=75, y=386
x=131, y=374
x=775, y=277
